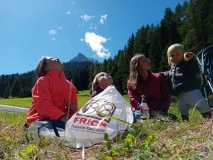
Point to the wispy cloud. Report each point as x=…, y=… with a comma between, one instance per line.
x=103, y=18
x=60, y=28
x=86, y=18
x=96, y=43
x=54, y=32
x=68, y=12
x=93, y=26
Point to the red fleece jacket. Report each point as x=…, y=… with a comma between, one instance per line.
x=50, y=96
x=156, y=91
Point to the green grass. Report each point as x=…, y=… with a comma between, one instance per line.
x=152, y=139
x=12, y=118
x=83, y=97
x=20, y=102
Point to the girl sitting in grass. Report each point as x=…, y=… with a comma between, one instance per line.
x=54, y=98
x=146, y=88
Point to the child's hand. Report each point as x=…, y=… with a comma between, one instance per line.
x=188, y=56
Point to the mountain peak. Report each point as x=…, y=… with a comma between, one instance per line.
x=80, y=58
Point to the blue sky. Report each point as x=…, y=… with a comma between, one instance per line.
x=31, y=29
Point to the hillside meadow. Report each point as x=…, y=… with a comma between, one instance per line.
x=154, y=139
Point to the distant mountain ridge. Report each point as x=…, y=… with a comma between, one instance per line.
x=20, y=85
x=81, y=58
x=79, y=62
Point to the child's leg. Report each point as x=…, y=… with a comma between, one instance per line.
x=136, y=115
x=197, y=100
x=183, y=107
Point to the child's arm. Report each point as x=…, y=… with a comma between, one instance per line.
x=193, y=66
x=165, y=74
x=133, y=98
x=192, y=62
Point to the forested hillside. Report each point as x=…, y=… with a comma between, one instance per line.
x=20, y=85
x=190, y=23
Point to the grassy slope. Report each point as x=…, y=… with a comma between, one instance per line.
x=26, y=102
x=83, y=96
x=150, y=140
x=20, y=102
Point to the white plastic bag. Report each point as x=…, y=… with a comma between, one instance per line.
x=107, y=113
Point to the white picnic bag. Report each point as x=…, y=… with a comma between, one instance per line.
x=106, y=113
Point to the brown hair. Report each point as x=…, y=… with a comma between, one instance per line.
x=42, y=67
x=134, y=70
x=96, y=78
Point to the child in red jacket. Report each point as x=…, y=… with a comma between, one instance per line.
x=52, y=94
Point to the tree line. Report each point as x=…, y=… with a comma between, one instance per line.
x=20, y=85
x=191, y=24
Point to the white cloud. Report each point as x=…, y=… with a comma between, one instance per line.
x=103, y=18
x=68, y=12
x=86, y=17
x=53, y=32
x=96, y=43
x=93, y=26
x=60, y=28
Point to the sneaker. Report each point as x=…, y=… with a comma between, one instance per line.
x=207, y=115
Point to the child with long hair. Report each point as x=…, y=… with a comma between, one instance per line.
x=143, y=85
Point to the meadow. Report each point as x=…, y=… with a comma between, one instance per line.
x=83, y=96
x=154, y=139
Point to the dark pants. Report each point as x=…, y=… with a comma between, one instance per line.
x=52, y=124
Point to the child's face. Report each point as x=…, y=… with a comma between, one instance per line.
x=55, y=64
x=175, y=57
x=104, y=81
x=145, y=63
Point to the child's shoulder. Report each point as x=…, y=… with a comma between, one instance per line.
x=190, y=64
x=156, y=75
x=43, y=79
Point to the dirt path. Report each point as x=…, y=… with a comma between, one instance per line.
x=7, y=108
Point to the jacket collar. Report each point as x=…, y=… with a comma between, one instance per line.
x=179, y=64
x=54, y=73
x=150, y=76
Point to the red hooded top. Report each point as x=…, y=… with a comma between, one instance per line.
x=50, y=96
x=156, y=91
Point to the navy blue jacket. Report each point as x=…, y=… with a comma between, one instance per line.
x=184, y=77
